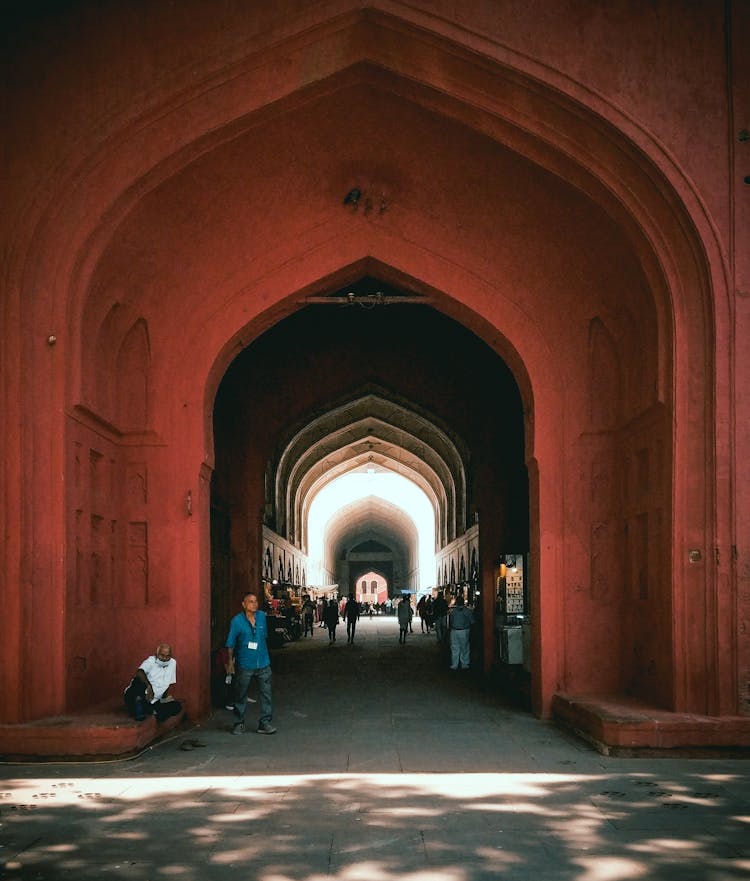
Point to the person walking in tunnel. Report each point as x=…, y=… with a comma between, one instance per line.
x=404, y=617
x=351, y=615
x=249, y=659
x=331, y=618
x=460, y=619
x=439, y=616
x=428, y=613
x=308, y=613
x=148, y=691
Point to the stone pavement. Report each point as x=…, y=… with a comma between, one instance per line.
x=385, y=766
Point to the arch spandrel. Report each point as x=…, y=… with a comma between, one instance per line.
x=413, y=83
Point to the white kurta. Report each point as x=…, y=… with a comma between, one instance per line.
x=159, y=677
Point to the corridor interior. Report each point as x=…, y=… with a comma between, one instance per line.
x=369, y=384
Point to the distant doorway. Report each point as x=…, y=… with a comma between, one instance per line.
x=371, y=589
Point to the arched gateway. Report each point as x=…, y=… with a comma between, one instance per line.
x=520, y=203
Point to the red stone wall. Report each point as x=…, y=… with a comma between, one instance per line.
x=564, y=181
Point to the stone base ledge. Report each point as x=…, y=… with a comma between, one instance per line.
x=620, y=725
x=102, y=731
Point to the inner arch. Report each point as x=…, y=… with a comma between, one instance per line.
x=363, y=499
x=372, y=429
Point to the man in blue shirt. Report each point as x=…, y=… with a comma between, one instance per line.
x=248, y=658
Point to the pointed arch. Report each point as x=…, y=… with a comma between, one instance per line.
x=132, y=371
x=369, y=428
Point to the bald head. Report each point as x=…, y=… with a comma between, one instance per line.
x=164, y=651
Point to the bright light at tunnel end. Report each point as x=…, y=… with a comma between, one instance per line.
x=357, y=486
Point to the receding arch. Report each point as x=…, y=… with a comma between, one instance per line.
x=352, y=459
x=375, y=522
x=369, y=428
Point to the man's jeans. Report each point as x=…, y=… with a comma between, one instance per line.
x=460, y=649
x=441, y=626
x=242, y=682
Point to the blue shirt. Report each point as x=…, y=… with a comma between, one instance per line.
x=242, y=634
x=460, y=618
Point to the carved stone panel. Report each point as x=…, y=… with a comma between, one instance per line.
x=136, y=587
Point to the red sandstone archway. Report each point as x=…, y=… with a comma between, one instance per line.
x=430, y=400
x=79, y=250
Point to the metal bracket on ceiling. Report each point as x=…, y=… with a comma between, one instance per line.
x=366, y=301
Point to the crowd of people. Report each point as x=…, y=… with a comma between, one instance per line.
x=245, y=655
x=435, y=616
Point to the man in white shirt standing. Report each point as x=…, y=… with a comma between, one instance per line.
x=148, y=692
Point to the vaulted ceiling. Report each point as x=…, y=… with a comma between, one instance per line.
x=333, y=391
x=369, y=522
x=370, y=430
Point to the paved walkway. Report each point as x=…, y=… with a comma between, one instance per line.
x=385, y=766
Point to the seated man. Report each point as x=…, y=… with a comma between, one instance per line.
x=148, y=692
